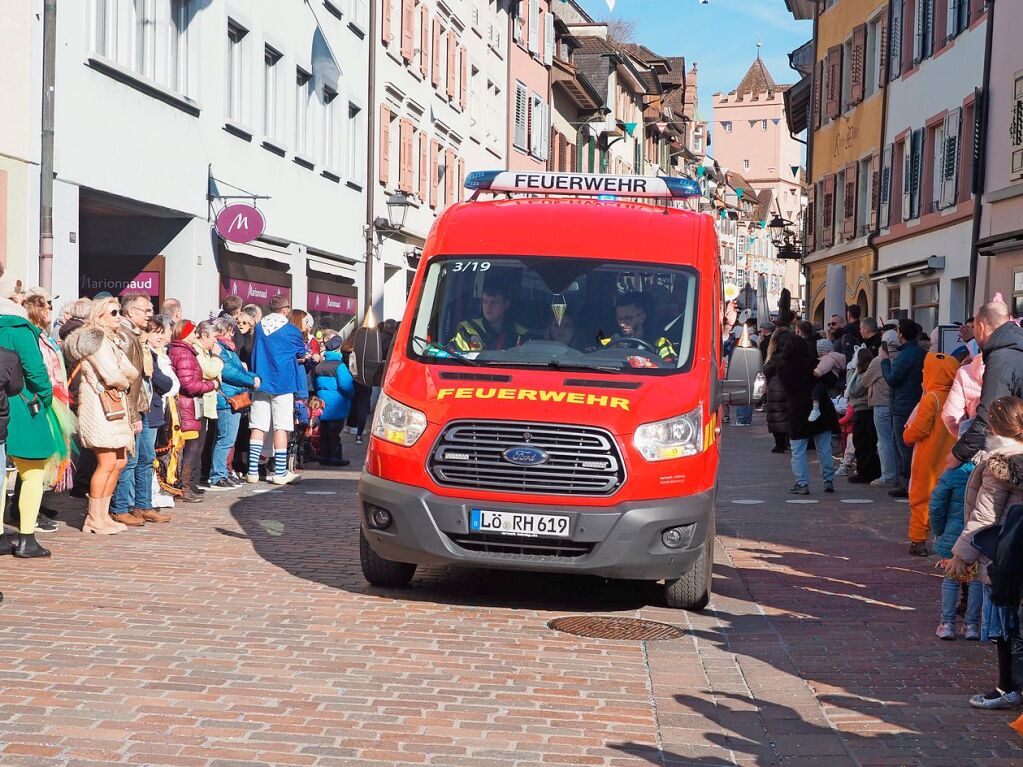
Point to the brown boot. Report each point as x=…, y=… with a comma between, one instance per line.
x=128, y=519
x=98, y=521
x=152, y=515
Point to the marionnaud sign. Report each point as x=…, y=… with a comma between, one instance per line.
x=240, y=222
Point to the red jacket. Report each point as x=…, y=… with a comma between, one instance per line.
x=186, y=367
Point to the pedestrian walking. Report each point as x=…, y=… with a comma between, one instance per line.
x=796, y=370
x=278, y=352
x=103, y=424
x=931, y=444
x=777, y=398
x=904, y=376
x=238, y=384
x=336, y=389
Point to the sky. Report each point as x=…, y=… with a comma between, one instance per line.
x=721, y=37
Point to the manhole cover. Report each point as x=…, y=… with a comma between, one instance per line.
x=634, y=629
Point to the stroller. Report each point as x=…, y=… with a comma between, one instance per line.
x=302, y=440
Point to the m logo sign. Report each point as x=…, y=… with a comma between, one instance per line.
x=240, y=223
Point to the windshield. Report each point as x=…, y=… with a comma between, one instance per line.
x=556, y=312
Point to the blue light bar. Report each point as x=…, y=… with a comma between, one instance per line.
x=481, y=179
x=683, y=188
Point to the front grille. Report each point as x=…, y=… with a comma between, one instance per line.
x=582, y=460
x=521, y=548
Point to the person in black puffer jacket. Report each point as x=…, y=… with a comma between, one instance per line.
x=12, y=381
x=777, y=398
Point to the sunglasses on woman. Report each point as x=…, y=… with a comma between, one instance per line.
x=114, y=312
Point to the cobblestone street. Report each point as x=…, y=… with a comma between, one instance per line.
x=243, y=634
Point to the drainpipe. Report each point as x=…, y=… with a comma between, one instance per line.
x=46, y=157
x=369, y=319
x=980, y=158
x=875, y=225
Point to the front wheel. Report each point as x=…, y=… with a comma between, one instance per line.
x=692, y=590
x=382, y=572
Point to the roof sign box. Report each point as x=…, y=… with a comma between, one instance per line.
x=582, y=184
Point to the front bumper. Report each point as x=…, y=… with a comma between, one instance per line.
x=622, y=541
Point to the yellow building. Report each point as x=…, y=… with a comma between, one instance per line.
x=842, y=111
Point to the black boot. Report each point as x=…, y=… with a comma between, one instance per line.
x=6, y=544
x=28, y=548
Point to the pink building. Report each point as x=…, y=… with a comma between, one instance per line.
x=530, y=55
x=1000, y=243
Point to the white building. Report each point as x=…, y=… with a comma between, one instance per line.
x=441, y=112
x=936, y=62
x=165, y=110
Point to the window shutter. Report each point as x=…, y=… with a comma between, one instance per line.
x=895, y=35
x=1015, y=130
x=810, y=224
x=916, y=171
x=927, y=39
x=452, y=80
x=907, y=177
x=816, y=97
x=875, y=190
x=521, y=116
x=449, y=177
x=858, y=63
x=405, y=156
x=884, y=217
x=882, y=52
x=424, y=167
x=408, y=28
x=461, y=179
x=833, y=84
x=385, y=144
x=385, y=21
x=531, y=131
x=534, y=26
x=435, y=76
x=518, y=20
x=951, y=20
x=950, y=161
x=548, y=39
x=566, y=155
x=849, y=202
x=434, y=172
x=463, y=77
x=424, y=40
x=828, y=211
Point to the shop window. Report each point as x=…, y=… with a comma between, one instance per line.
x=925, y=305
x=895, y=302
x=271, y=92
x=236, y=35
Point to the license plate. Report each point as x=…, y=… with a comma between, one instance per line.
x=516, y=523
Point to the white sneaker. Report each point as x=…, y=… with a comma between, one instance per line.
x=284, y=479
x=842, y=471
x=252, y=478
x=881, y=483
x=815, y=413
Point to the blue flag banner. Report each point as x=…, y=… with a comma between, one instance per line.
x=326, y=72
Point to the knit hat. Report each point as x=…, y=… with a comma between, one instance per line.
x=890, y=337
x=333, y=343
x=824, y=346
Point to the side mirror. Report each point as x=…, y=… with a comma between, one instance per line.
x=369, y=357
x=744, y=364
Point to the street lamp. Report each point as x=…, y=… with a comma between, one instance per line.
x=778, y=226
x=397, y=208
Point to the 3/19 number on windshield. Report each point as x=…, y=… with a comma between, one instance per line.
x=470, y=266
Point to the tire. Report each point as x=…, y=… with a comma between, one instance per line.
x=382, y=572
x=692, y=591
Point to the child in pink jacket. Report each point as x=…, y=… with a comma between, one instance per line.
x=830, y=362
x=961, y=406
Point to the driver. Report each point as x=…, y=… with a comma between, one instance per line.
x=493, y=331
x=631, y=313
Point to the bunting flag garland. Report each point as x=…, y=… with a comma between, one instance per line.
x=795, y=170
x=776, y=120
x=610, y=5
x=739, y=192
x=700, y=171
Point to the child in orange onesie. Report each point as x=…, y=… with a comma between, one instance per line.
x=932, y=443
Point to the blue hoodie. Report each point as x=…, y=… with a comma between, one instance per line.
x=277, y=346
x=334, y=385
x=946, y=510
x=235, y=378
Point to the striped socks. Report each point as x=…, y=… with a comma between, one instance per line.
x=255, y=448
x=280, y=462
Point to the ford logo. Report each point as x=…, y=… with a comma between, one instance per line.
x=524, y=455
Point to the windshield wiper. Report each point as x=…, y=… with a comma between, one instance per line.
x=558, y=365
x=445, y=354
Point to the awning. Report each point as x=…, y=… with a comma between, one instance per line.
x=255, y=278
x=259, y=249
x=797, y=105
x=1000, y=243
x=926, y=266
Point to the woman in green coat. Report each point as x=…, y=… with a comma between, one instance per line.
x=33, y=435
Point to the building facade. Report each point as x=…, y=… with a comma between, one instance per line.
x=530, y=57
x=935, y=70
x=166, y=111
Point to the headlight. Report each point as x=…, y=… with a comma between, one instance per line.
x=398, y=423
x=674, y=438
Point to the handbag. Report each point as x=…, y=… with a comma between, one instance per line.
x=759, y=389
x=113, y=403
x=240, y=401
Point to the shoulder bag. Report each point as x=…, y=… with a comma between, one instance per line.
x=240, y=401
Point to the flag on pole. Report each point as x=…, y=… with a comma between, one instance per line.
x=326, y=72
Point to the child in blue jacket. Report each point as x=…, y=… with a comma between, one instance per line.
x=334, y=385
x=947, y=517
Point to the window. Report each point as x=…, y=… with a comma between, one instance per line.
x=356, y=146
x=1016, y=130
x=925, y=305
x=763, y=125
x=864, y=185
x=1017, y=294
x=271, y=88
x=958, y=17
x=329, y=134
x=302, y=87
x=895, y=302
x=726, y=126
x=912, y=166
x=885, y=189
x=895, y=37
x=923, y=39
x=154, y=43
x=848, y=65
x=539, y=132
x=872, y=64
x=235, y=70
x=745, y=165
